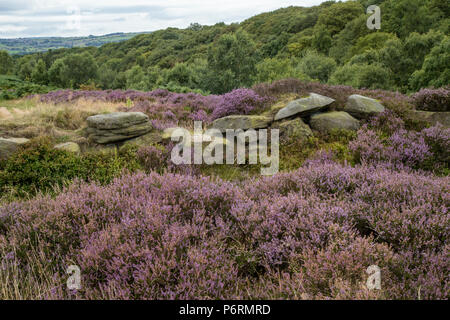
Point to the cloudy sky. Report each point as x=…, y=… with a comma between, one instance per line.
x=43, y=18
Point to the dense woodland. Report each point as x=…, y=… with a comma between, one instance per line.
x=329, y=43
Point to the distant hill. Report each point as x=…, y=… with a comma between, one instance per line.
x=22, y=46
x=330, y=43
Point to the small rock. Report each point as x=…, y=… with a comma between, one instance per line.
x=69, y=146
x=325, y=122
x=241, y=122
x=9, y=146
x=304, y=106
x=362, y=107
x=293, y=130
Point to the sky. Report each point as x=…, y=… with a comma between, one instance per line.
x=66, y=18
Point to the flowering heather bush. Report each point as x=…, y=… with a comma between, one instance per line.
x=152, y=158
x=385, y=141
x=393, y=100
x=433, y=99
x=169, y=109
x=239, y=101
x=386, y=122
x=310, y=233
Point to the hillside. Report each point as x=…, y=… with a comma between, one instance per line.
x=21, y=46
x=296, y=155
x=329, y=43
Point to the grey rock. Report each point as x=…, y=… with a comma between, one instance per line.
x=241, y=122
x=148, y=139
x=118, y=126
x=116, y=120
x=292, y=130
x=325, y=122
x=304, y=106
x=432, y=118
x=362, y=107
x=69, y=146
x=9, y=146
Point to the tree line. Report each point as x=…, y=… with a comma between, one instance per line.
x=329, y=43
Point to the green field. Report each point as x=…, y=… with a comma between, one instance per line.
x=22, y=46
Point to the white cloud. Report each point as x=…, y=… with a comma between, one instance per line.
x=56, y=17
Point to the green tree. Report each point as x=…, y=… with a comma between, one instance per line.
x=55, y=72
x=6, y=62
x=181, y=74
x=106, y=76
x=393, y=56
x=373, y=76
x=154, y=77
x=271, y=69
x=418, y=46
x=25, y=67
x=317, y=66
x=404, y=17
x=73, y=70
x=136, y=79
x=335, y=17
x=232, y=62
x=374, y=40
x=39, y=74
x=435, y=71
x=322, y=40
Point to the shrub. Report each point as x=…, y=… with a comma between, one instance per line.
x=317, y=66
x=152, y=158
x=432, y=99
x=308, y=233
x=38, y=167
x=373, y=76
x=239, y=101
x=391, y=145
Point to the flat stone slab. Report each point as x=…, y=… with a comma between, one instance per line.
x=241, y=122
x=10, y=145
x=117, y=126
x=362, y=107
x=116, y=120
x=325, y=122
x=304, y=106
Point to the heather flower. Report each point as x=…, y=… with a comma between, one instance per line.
x=308, y=233
x=239, y=101
x=432, y=99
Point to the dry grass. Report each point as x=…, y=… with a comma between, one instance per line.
x=30, y=118
x=38, y=283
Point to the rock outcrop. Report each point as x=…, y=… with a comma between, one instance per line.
x=117, y=126
x=432, y=118
x=362, y=107
x=241, y=122
x=148, y=139
x=291, y=130
x=304, y=106
x=9, y=146
x=325, y=122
